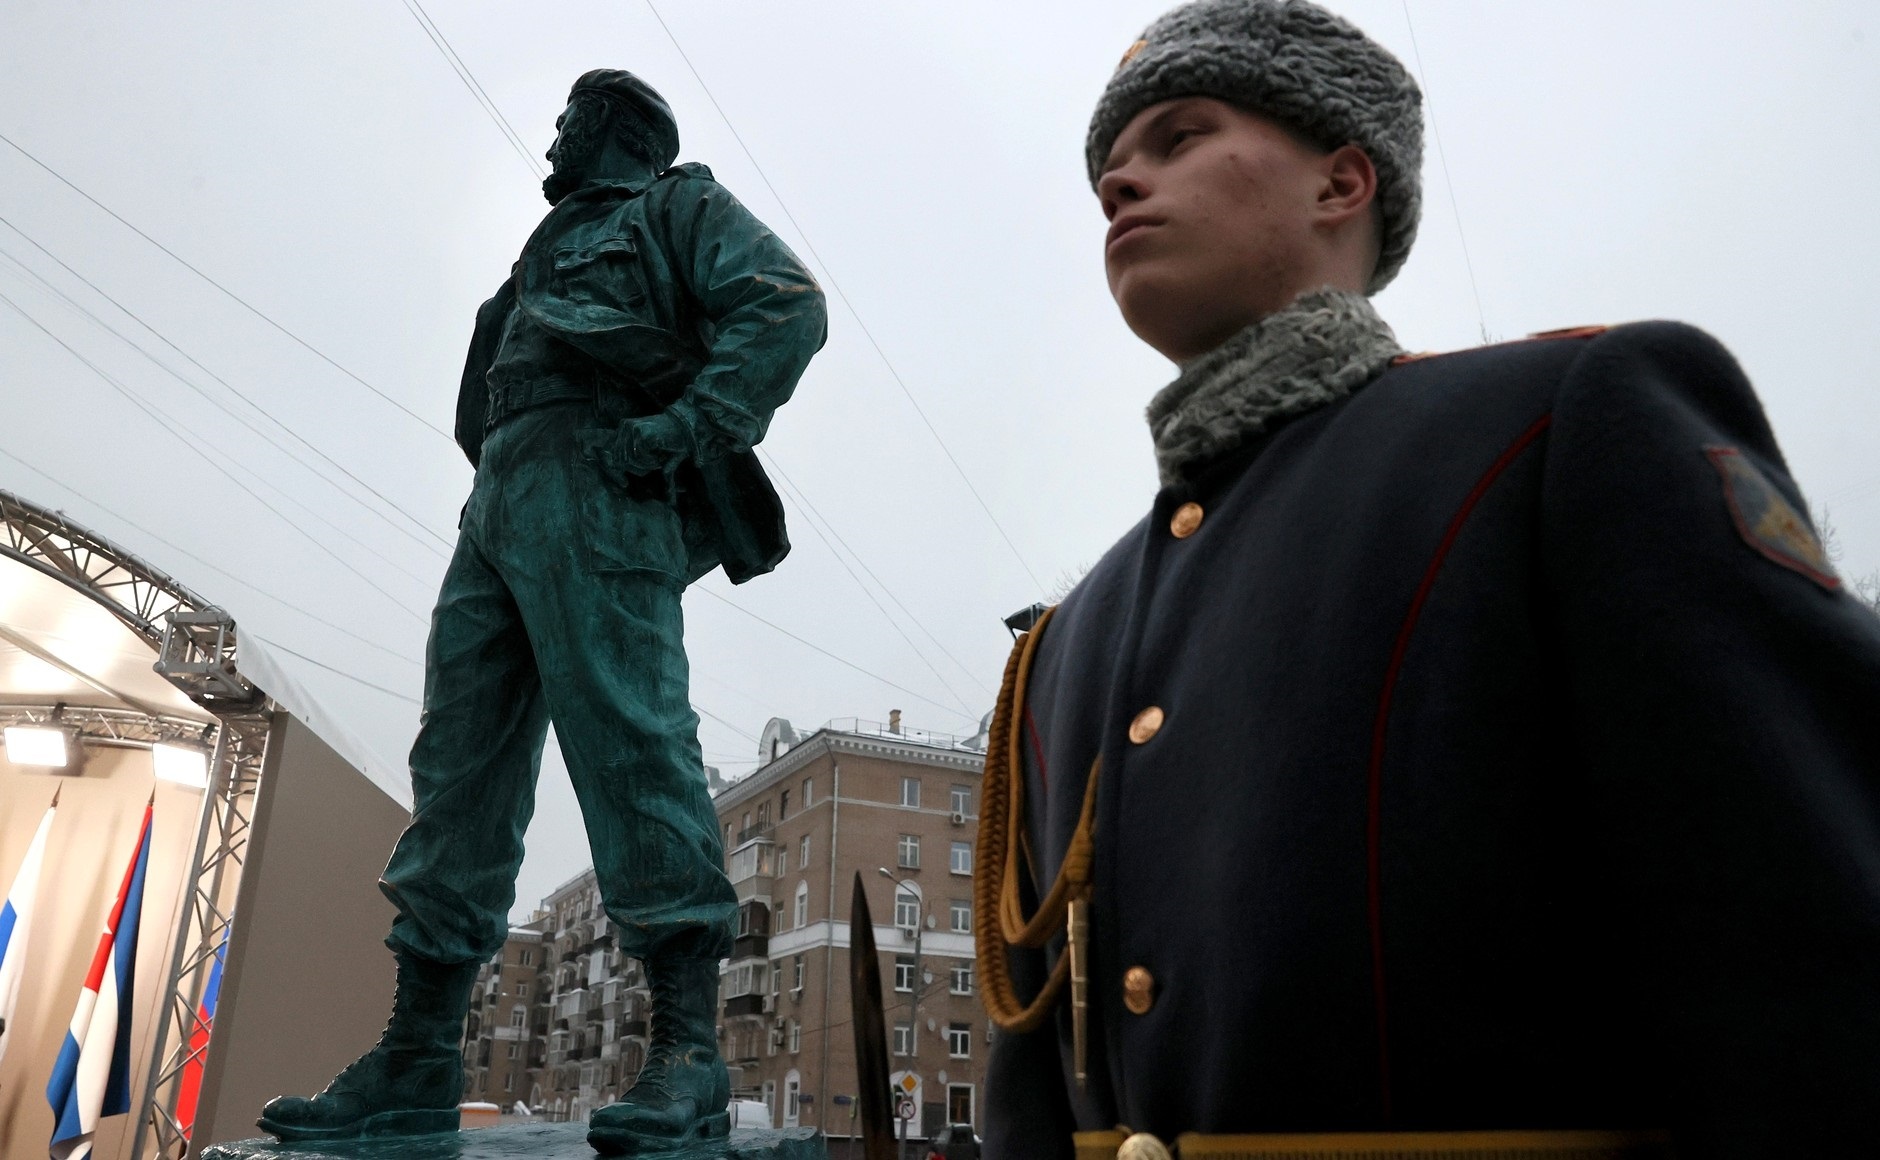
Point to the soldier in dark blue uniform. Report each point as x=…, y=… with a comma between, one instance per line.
x=1471, y=754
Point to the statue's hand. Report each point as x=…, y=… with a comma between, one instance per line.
x=640, y=455
x=655, y=445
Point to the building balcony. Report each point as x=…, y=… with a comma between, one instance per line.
x=745, y=1005
x=750, y=946
x=633, y=1028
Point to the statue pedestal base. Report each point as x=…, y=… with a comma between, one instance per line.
x=522, y=1141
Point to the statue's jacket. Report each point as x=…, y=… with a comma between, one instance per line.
x=685, y=302
x=1519, y=768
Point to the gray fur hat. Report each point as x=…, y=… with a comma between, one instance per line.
x=1293, y=61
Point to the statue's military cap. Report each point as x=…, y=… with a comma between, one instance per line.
x=654, y=126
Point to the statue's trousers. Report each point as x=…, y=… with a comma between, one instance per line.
x=561, y=603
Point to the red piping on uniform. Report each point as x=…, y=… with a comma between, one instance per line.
x=1037, y=752
x=1374, y=827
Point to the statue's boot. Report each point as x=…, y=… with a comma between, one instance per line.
x=412, y=1079
x=682, y=1092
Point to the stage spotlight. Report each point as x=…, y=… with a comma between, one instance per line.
x=39, y=745
x=182, y=764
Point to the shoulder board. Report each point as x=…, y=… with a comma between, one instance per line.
x=1537, y=336
x=690, y=169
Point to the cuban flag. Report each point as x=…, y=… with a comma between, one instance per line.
x=92, y=1077
x=16, y=923
x=191, y=1088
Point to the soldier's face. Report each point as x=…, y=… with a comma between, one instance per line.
x=1212, y=215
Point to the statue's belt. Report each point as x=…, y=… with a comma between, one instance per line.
x=1503, y=1145
x=507, y=399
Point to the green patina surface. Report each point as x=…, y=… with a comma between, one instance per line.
x=519, y=1141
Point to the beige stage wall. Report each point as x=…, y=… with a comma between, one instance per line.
x=308, y=982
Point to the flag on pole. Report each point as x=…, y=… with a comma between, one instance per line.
x=16, y=923
x=191, y=1086
x=92, y=1076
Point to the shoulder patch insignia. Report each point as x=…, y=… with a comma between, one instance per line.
x=1767, y=521
x=1571, y=332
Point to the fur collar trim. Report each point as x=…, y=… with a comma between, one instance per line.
x=1318, y=350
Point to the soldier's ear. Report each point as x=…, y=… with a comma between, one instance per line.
x=1349, y=185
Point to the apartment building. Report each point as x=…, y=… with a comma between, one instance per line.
x=899, y=807
x=502, y=1040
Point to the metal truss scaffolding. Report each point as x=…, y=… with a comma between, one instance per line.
x=222, y=834
x=196, y=647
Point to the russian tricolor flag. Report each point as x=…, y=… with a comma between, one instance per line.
x=16, y=923
x=92, y=1077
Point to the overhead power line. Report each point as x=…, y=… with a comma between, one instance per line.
x=289, y=605
x=259, y=409
x=277, y=645
x=243, y=420
x=1443, y=158
x=801, y=504
x=163, y=422
x=230, y=294
x=830, y=277
x=814, y=647
x=803, y=497
x=470, y=82
x=257, y=589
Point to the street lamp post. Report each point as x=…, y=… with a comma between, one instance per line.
x=913, y=1016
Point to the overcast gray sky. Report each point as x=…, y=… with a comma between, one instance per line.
x=1712, y=162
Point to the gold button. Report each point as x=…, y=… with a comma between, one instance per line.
x=1186, y=519
x=1146, y=724
x=1138, y=990
x=1142, y=1146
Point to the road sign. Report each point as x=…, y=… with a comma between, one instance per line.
x=904, y=1108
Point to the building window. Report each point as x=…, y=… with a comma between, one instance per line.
x=509, y=1083
x=809, y=787
x=904, y=1039
x=792, y=1084
x=770, y=1095
x=802, y=904
x=783, y=805
x=518, y=1015
x=960, y=911
x=904, y=973
x=802, y=853
x=746, y=823
x=959, y=1103
x=962, y=981
x=962, y=799
x=763, y=815
x=907, y=852
x=960, y=861
x=799, y=973
x=522, y=989
x=959, y=1040
x=523, y=957
x=910, y=792
x=515, y=1050
x=796, y=1037
x=783, y=861
x=906, y=909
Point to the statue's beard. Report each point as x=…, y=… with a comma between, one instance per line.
x=560, y=184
